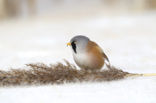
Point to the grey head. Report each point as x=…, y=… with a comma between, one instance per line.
x=79, y=43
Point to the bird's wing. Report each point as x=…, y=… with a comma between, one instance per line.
x=99, y=49
x=107, y=62
x=104, y=55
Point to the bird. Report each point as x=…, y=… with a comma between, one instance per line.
x=87, y=54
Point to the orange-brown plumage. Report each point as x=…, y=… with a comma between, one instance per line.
x=96, y=55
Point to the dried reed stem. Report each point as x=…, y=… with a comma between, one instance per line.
x=40, y=74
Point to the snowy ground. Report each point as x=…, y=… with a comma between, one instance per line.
x=129, y=41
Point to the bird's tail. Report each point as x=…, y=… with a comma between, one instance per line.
x=107, y=62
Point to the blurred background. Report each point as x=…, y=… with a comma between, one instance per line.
x=72, y=8
x=37, y=31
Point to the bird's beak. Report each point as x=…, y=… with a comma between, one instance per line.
x=69, y=44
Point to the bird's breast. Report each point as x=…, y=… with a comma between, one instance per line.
x=81, y=59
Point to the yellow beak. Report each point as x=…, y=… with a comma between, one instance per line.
x=69, y=44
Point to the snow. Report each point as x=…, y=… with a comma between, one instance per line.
x=131, y=90
x=129, y=41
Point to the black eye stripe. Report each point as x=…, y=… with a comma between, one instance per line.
x=74, y=46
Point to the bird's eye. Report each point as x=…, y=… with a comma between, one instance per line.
x=74, y=46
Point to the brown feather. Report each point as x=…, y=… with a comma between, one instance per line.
x=96, y=53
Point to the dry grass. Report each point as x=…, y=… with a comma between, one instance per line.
x=40, y=74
